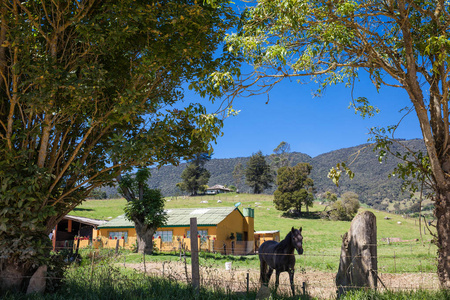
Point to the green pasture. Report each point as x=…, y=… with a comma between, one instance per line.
x=322, y=238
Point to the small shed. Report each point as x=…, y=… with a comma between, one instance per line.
x=217, y=189
x=220, y=229
x=262, y=236
x=70, y=227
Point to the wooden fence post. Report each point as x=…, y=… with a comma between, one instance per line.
x=248, y=282
x=117, y=246
x=194, y=256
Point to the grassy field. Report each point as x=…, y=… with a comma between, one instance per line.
x=322, y=238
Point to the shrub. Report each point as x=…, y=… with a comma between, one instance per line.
x=345, y=208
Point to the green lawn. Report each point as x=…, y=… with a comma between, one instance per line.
x=322, y=238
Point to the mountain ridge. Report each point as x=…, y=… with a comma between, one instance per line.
x=371, y=181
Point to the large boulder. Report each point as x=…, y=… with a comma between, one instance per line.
x=358, y=264
x=38, y=281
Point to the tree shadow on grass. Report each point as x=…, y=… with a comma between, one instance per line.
x=82, y=209
x=302, y=215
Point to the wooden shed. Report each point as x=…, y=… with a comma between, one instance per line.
x=72, y=228
x=220, y=229
x=269, y=235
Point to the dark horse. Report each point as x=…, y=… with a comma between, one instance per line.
x=280, y=257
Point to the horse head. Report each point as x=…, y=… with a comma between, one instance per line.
x=297, y=239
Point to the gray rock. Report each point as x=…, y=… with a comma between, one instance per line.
x=263, y=293
x=37, y=282
x=358, y=264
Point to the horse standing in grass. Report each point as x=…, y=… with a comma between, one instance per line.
x=280, y=257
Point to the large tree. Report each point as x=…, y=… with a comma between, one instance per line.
x=403, y=44
x=87, y=90
x=295, y=189
x=145, y=207
x=258, y=174
x=195, y=175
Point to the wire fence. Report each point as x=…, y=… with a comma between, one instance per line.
x=400, y=267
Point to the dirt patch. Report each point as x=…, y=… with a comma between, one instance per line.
x=318, y=284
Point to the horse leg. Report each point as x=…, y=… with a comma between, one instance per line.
x=291, y=279
x=262, y=271
x=269, y=273
x=277, y=280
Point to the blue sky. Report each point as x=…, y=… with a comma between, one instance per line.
x=309, y=124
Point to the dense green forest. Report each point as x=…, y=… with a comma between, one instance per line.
x=371, y=181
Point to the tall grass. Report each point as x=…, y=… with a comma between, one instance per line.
x=104, y=281
x=397, y=295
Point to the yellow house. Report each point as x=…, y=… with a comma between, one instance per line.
x=220, y=229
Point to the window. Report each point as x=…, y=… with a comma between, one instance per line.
x=239, y=237
x=118, y=234
x=166, y=235
x=202, y=233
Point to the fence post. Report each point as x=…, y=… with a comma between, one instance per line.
x=145, y=268
x=117, y=246
x=395, y=265
x=194, y=256
x=304, y=288
x=248, y=282
x=92, y=267
x=78, y=246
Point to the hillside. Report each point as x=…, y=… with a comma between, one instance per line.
x=371, y=179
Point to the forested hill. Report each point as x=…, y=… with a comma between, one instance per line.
x=371, y=179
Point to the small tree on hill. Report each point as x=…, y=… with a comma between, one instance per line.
x=280, y=156
x=238, y=174
x=295, y=188
x=195, y=175
x=258, y=174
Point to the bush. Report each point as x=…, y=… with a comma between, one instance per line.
x=345, y=208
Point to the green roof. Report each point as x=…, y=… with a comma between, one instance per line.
x=181, y=217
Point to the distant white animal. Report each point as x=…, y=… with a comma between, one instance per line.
x=219, y=201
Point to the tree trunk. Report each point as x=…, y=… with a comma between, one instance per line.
x=12, y=277
x=442, y=213
x=358, y=264
x=15, y=274
x=144, y=236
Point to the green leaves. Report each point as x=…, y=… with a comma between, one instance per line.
x=89, y=91
x=258, y=173
x=295, y=188
x=335, y=172
x=363, y=107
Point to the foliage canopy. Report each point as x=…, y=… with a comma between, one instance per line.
x=195, y=176
x=258, y=174
x=403, y=44
x=295, y=188
x=87, y=91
